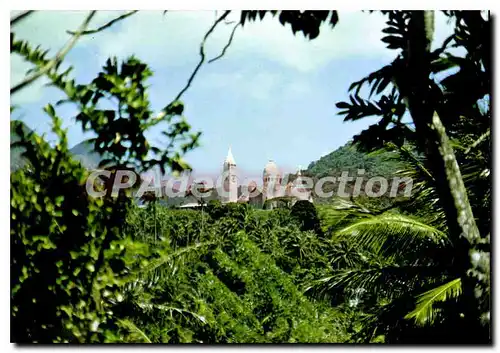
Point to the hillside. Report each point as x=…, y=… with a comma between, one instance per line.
x=82, y=151
x=16, y=160
x=349, y=158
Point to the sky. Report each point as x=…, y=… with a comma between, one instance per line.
x=272, y=96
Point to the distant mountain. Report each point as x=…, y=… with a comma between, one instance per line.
x=83, y=152
x=16, y=160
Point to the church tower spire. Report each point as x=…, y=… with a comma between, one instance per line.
x=231, y=183
x=230, y=159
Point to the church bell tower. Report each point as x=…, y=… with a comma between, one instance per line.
x=231, y=182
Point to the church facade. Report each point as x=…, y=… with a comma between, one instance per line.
x=274, y=189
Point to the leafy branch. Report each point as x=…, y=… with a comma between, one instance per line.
x=307, y=22
x=106, y=25
x=202, y=54
x=424, y=311
x=480, y=140
x=20, y=17
x=57, y=59
x=227, y=45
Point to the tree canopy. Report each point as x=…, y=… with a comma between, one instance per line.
x=104, y=270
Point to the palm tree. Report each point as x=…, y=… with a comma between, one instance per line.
x=400, y=265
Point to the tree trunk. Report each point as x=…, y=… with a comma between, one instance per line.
x=415, y=87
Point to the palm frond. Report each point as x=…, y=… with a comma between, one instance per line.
x=424, y=201
x=339, y=214
x=170, y=309
x=386, y=279
x=345, y=255
x=153, y=265
x=425, y=311
x=136, y=331
x=391, y=233
x=407, y=154
x=379, y=80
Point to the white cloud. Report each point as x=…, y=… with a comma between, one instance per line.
x=255, y=84
x=166, y=40
x=258, y=86
x=298, y=88
x=356, y=34
x=47, y=29
x=31, y=93
x=263, y=85
x=173, y=40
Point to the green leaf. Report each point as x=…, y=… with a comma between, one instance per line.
x=391, y=233
x=424, y=311
x=49, y=109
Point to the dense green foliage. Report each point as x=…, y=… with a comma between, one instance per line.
x=66, y=267
x=69, y=253
x=443, y=106
x=305, y=214
x=105, y=270
x=404, y=266
x=233, y=274
x=350, y=158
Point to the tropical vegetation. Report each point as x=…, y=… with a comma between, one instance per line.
x=412, y=270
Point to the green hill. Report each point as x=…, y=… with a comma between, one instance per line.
x=16, y=159
x=350, y=158
x=83, y=151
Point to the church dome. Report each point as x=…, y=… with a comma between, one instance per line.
x=271, y=169
x=252, y=186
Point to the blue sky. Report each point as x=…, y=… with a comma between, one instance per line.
x=272, y=96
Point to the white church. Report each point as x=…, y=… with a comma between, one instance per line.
x=259, y=196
